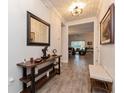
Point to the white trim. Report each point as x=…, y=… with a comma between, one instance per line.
x=81, y=21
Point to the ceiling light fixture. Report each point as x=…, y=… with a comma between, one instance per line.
x=76, y=8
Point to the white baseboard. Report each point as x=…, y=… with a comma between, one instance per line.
x=19, y=91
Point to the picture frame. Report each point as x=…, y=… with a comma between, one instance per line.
x=107, y=26
x=38, y=31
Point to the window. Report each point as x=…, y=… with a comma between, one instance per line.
x=78, y=44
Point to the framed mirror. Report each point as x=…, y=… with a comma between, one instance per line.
x=38, y=31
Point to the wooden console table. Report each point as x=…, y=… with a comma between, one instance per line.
x=31, y=77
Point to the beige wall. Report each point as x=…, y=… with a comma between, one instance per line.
x=107, y=52
x=88, y=36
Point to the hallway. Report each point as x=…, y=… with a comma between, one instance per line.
x=74, y=77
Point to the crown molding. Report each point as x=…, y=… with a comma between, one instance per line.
x=81, y=21
x=50, y=6
x=99, y=7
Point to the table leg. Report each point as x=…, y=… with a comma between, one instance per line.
x=59, y=65
x=53, y=67
x=33, y=80
x=24, y=75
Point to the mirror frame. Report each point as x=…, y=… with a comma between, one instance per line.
x=29, y=43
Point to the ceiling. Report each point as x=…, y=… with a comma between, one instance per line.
x=81, y=28
x=91, y=9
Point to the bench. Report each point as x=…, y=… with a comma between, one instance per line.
x=100, y=78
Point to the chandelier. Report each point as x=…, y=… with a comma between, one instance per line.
x=76, y=8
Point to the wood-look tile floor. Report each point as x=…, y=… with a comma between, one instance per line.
x=74, y=77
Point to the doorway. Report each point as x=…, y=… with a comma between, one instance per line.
x=81, y=40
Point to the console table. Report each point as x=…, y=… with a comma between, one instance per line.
x=31, y=77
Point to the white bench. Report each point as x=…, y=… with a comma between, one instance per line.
x=99, y=77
